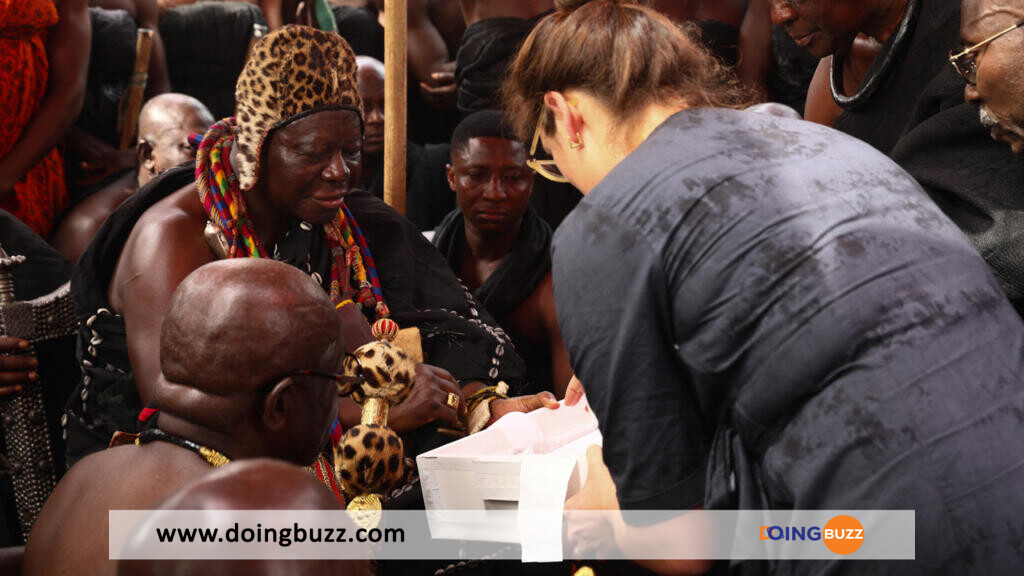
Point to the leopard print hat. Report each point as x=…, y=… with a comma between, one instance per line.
x=292, y=72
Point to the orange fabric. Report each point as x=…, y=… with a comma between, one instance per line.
x=24, y=26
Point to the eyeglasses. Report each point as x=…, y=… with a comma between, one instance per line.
x=964, y=62
x=343, y=381
x=546, y=168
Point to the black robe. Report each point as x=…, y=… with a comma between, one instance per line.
x=510, y=284
x=918, y=116
x=418, y=287
x=44, y=271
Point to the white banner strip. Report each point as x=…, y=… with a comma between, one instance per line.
x=486, y=534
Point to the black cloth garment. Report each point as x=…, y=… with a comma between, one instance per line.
x=428, y=198
x=360, y=28
x=43, y=271
x=488, y=47
x=207, y=44
x=510, y=284
x=771, y=299
x=918, y=116
x=792, y=72
x=418, y=288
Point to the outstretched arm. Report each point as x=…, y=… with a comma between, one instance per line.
x=68, y=53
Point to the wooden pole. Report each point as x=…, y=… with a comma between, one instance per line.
x=137, y=88
x=395, y=27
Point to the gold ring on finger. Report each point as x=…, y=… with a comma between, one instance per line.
x=453, y=401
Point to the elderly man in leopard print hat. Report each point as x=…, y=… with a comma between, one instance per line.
x=277, y=181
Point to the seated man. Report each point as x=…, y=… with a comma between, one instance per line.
x=427, y=197
x=165, y=123
x=278, y=183
x=990, y=66
x=224, y=395
x=500, y=248
x=910, y=105
x=257, y=484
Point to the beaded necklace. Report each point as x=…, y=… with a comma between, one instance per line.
x=212, y=457
x=353, y=273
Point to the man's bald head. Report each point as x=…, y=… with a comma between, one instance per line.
x=234, y=324
x=370, y=76
x=234, y=336
x=165, y=123
x=998, y=85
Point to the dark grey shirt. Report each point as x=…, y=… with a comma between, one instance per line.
x=770, y=300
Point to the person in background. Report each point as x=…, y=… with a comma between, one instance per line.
x=165, y=124
x=909, y=104
x=42, y=92
x=427, y=197
x=500, y=248
x=993, y=40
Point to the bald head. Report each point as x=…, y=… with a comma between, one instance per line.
x=370, y=76
x=165, y=123
x=234, y=324
x=237, y=340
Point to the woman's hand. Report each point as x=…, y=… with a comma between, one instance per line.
x=429, y=401
x=574, y=391
x=15, y=371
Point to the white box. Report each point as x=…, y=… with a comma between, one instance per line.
x=472, y=486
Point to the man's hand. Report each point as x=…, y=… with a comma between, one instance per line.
x=15, y=371
x=100, y=160
x=441, y=92
x=428, y=401
x=522, y=404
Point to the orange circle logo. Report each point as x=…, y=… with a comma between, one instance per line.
x=843, y=535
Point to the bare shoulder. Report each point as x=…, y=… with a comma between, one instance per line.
x=165, y=245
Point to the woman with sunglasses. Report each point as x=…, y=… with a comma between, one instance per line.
x=765, y=313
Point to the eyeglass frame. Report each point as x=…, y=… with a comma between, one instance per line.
x=970, y=73
x=339, y=378
x=542, y=166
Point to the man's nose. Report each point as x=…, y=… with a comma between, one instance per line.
x=375, y=116
x=782, y=12
x=971, y=94
x=495, y=190
x=337, y=169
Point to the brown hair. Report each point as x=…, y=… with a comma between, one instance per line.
x=626, y=55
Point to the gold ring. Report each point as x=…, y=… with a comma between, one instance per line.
x=453, y=401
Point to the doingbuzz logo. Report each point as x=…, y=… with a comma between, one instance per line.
x=842, y=534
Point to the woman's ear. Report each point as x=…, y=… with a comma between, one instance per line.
x=277, y=404
x=568, y=119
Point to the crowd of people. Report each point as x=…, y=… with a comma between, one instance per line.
x=776, y=245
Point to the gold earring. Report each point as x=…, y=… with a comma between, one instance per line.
x=578, y=143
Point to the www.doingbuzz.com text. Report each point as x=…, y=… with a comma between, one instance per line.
x=283, y=537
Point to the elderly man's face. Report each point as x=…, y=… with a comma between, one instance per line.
x=999, y=85
x=822, y=27
x=312, y=164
